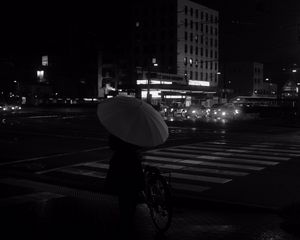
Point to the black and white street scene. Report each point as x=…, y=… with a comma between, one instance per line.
x=150, y=119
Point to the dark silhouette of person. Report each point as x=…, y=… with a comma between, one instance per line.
x=125, y=179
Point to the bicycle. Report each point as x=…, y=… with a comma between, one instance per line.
x=158, y=198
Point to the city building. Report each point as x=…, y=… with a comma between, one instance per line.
x=247, y=79
x=174, y=51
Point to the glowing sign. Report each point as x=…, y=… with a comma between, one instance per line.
x=138, y=82
x=199, y=83
x=154, y=93
x=44, y=60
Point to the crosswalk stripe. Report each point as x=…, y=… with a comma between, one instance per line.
x=279, y=147
x=201, y=163
x=259, y=148
x=189, y=187
x=238, y=160
x=96, y=165
x=199, y=170
x=280, y=144
x=200, y=150
x=275, y=145
x=200, y=178
x=83, y=172
x=179, y=167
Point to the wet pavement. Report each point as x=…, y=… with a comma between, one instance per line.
x=54, y=216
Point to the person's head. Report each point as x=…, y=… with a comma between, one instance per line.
x=116, y=144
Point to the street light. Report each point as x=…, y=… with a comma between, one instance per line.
x=155, y=64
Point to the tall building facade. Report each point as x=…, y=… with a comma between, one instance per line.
x=177, y=43
x=198, y=42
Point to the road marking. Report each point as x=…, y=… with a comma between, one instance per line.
x=200, y=178
x=253, y=156
x=188, y=187
x=205, y=163
x=72, y=165
x=32, y=197
x=252, y=160
x=260, y=148
x=226, y=153
x=238, y=160
x=53, y=156
x=44, y=116
x=83, y=172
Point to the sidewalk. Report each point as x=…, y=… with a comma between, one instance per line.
x=77, y=218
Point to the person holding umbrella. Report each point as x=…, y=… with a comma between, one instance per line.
x=132, y=125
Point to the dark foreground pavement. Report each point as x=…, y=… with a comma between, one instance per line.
x=46, y=215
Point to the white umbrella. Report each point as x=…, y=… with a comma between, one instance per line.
x=133, y=121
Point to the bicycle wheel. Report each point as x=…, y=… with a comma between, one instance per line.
x=158, y=199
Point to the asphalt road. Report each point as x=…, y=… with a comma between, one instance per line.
x=47, y=154
x=45, y=138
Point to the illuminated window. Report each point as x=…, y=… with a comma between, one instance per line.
x=196, y=38
x=196, y=62
x=191, y=62
x=185, y=61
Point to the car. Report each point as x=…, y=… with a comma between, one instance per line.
x=195, y=112
x=9, y=107
x=224, y=111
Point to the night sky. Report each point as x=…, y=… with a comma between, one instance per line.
x=43, y=27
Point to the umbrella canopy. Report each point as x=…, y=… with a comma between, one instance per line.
x=133, y=121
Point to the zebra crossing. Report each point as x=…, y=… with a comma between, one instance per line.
x=198, y=167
